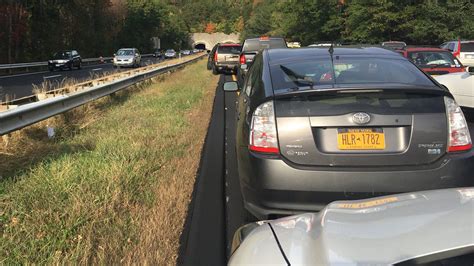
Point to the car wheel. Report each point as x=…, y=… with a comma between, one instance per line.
x=215, y=71
x=69, y=66
x=79, y=66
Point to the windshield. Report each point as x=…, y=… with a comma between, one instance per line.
x=62, y=55
x=426, y=59
x=125, y=52
x=170, y=51
x=347, y=70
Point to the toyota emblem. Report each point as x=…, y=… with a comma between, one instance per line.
x=361, y=118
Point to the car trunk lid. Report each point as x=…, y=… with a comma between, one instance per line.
x=362, y=128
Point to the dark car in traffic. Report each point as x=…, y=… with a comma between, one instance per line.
x=316, y=125
x=226, y=58
x=434, y=61
x=211, y=57
x=65, y=60
x=253, y=46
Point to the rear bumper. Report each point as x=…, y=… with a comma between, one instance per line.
x=273, y=187
x=226, y=66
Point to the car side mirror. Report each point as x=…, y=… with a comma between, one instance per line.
x=243, y=66
x=470, y=69
x=137, y=54
x=231, y=86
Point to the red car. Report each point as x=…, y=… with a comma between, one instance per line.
x=434, y=61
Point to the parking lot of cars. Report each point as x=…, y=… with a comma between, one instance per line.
x=314, y=126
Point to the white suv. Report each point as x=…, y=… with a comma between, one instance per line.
x=463, y=50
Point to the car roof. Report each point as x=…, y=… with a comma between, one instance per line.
x=282, y=54
x=428, y=49
x=263, y=38
x=230, y=44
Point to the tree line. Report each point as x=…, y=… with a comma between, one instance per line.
x=33, y=30
x=419, y=22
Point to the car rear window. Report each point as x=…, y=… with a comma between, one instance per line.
x=347, y=70
x=396, y=102
x=258, y=44
x=229, y=49
x=428, y=59
x=467, y=47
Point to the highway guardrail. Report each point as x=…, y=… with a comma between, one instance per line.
x=27, y=66
x=28, y=114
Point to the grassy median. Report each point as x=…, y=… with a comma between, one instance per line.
x=113, y=188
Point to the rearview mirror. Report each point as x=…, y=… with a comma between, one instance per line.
x=231, y=86
x=243, y=66
x=470, y=69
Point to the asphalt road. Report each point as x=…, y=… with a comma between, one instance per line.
x=21, y=85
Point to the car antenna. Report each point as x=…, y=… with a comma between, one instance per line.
x=331, y=53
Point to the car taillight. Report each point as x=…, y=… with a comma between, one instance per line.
x=459, y=138
x=263, y=134
x=243, y=60
x=215, y=56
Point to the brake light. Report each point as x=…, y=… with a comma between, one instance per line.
x=459, y=138
x=242, y=59
x=264, y=38
x=215, y=56
x=263, y=135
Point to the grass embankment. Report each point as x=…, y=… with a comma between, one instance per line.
x=113, y=187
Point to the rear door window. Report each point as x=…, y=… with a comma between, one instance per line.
x=257, y=44
x=227, y=49
x=467, y=47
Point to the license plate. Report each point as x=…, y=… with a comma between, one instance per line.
x=360, y=139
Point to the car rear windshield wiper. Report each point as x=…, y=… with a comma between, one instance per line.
x=298, y=79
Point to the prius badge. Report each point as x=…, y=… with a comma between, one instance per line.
x=361, y=118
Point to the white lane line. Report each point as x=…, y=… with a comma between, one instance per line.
x=24, y=74
x=96, y=69
x=55, y=76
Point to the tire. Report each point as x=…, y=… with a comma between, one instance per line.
x=70, y=66
x=80, y=65
x=215, y=71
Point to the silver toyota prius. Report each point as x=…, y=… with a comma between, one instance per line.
x=316, y=125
